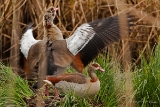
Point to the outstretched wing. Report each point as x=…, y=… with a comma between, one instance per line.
x=27, y=40
x=90, y=38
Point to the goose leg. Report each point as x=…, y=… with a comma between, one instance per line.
x=56, y=94
x=47, y=93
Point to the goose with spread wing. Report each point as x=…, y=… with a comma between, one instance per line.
x=88, y=40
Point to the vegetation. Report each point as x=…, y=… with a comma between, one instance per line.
x=135, y=83
x=146, y=81
x=13, y=89
x=15, y=15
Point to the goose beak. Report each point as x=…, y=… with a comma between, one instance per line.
x=101, y=69
x=55, y=9
x=47, y=82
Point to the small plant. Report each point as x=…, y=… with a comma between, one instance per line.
x=147, y=81
x=72, y=100
x=13, y=89
x=107, y=95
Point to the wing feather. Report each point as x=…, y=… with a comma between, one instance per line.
x=94, y=36
x=68, y=77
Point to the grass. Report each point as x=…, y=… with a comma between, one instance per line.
x=13, y=89
x=107, y=96
x=146, y=76
x=146, y=82
x=72, y=100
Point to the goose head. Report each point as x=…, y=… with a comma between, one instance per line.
x=49, y=17
x=95, y=67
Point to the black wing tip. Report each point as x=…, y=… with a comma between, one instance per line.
x=132, y=18
x=29, y=26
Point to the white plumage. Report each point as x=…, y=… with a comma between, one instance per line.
x=80, y=38
x=27, y=41
x=82, y=90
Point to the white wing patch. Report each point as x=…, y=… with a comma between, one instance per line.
x=80, y=38
x=27, y=41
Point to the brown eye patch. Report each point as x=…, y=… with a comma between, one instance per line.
x=95, y=65
x=52, y=10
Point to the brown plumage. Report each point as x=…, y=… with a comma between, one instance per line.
x=51, y=31
x=54, y=54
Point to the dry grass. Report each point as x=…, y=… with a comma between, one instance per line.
x=15, y=14
x=72, y=14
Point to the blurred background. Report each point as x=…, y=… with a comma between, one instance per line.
x=16, y=14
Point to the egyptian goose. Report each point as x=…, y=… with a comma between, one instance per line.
x=80, y=48
x=53, y=33
x=81, y=84
x=28, y=40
